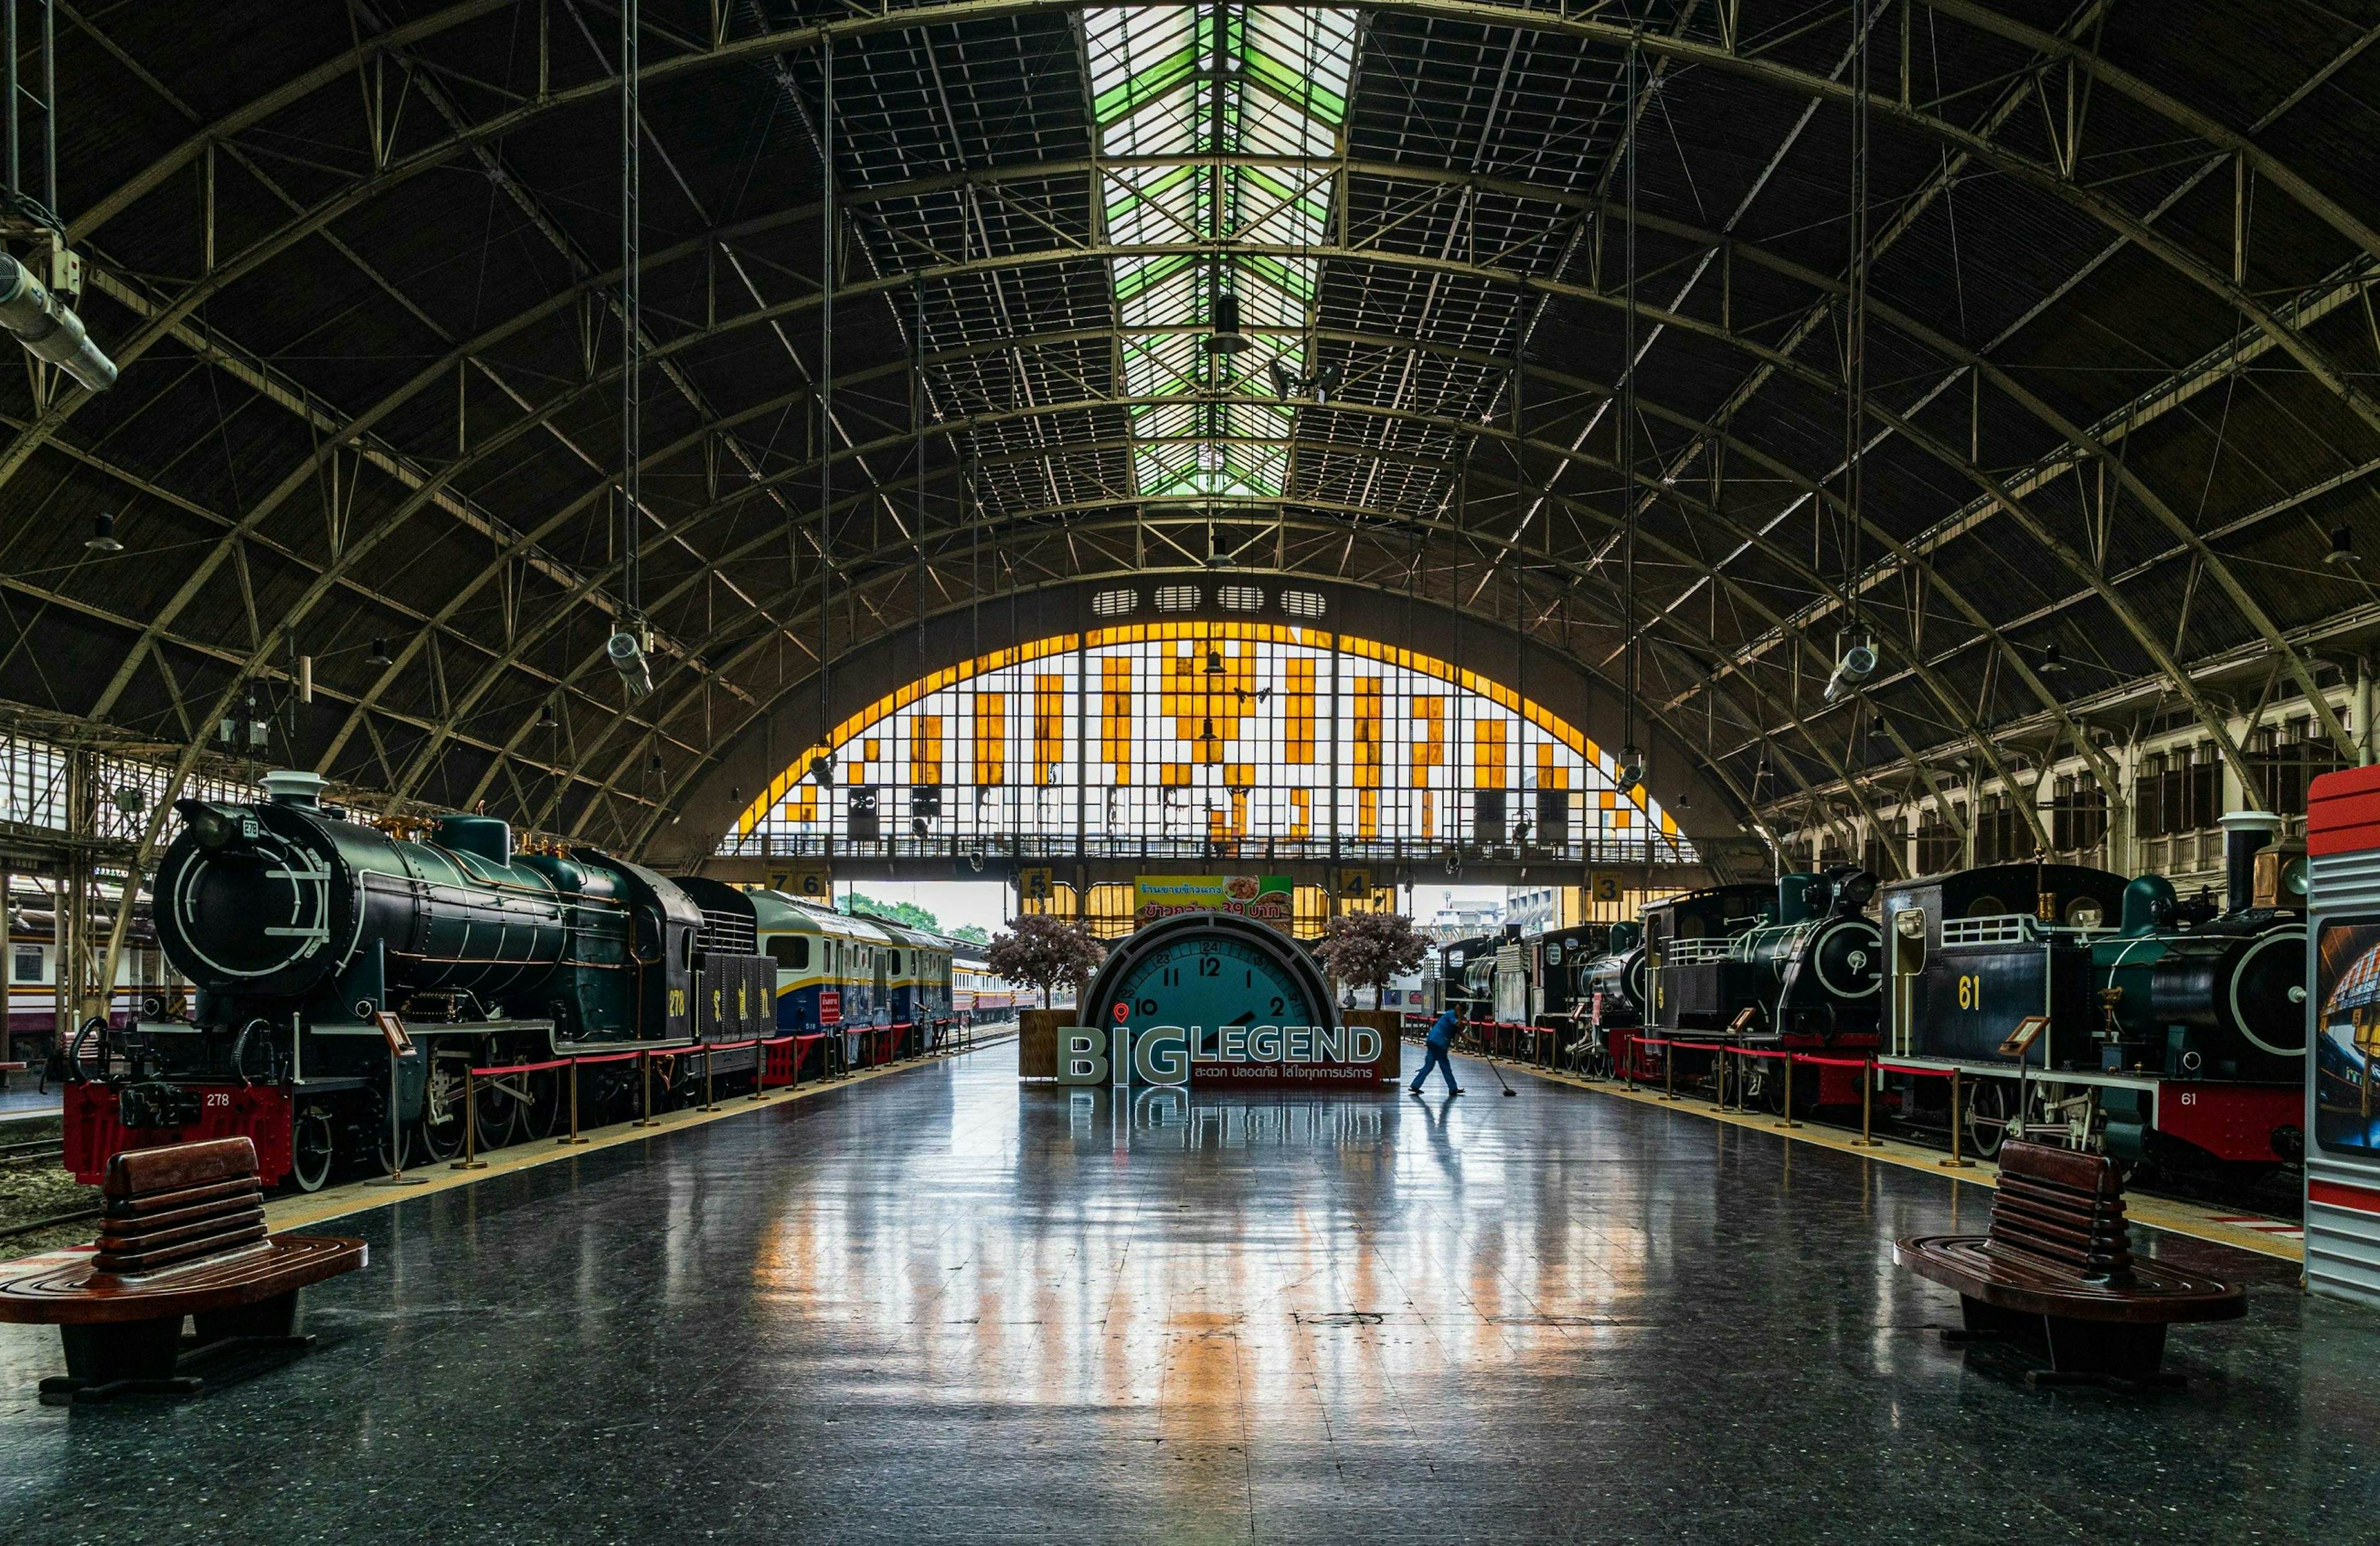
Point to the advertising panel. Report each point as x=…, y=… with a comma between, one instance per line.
x=2346, y=1031
x=1267, y=898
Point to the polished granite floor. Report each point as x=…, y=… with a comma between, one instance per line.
x=936, y=1308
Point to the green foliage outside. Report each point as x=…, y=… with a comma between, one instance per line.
x=911, y=916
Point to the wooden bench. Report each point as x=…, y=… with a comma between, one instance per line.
x=182, y=1237
x=2057, y=1272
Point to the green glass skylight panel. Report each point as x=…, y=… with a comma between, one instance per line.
x=1183, y=81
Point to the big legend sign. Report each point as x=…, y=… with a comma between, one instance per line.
x=1241, y=1055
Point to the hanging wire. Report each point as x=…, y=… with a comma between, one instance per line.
x=632, y=332
x=825, y=446
x=1634, y=661
x=1855, y=326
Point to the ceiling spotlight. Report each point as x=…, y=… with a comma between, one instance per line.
x=626, y=654
x=379, y=655
x=1287, y=383
x=103, y=534
x=1214, y=663
x=1632, y=768
x=654, y=762
x=1227, y=338
x=823, y=771
x=2342, y=548
x=1856, y=666
x=2053, y=659
x=546, y=718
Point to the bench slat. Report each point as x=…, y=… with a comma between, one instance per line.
x=192, y=1256
x=158, y=1202
x=138, y=1172
x=135, y=1242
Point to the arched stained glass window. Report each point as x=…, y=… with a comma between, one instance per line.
x=1208, y=740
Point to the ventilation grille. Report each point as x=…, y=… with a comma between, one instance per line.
x=1177, y=598
x=1304, y=603
x=1240, y=598
x=1114, y=603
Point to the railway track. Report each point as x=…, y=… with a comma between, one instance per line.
x=36, y=1149
x=10, y=1231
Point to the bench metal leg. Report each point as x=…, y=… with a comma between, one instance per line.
x=152, y=1358
x=2117, y=1356
x=126, y=1359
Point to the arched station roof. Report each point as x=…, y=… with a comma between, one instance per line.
x=2113, y=368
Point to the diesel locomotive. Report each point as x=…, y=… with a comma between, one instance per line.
x=2107, y=1014
x=319, y=948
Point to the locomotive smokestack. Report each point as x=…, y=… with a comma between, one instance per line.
x=2245, y=833
x=291, y=786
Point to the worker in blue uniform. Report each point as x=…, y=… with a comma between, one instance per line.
x=1440, y=1038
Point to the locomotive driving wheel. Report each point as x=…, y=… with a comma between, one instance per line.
x=313, y=1148
x=1991, y=1106
x=541, y=1102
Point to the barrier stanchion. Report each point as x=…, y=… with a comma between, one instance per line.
x=1669, y=1071
x=470, y=1160
x=1954, y=1161
x=574, y=1137
x=708, y=1057
x=1628, y=1063
x=1787, y=1120
x=1719, y=1080
x=1867, y=1138
x=645, y=1091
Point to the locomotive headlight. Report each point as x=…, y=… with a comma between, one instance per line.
x=215, y=827
x=626, y=654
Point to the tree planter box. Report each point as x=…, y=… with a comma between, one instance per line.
x=1037, y=1042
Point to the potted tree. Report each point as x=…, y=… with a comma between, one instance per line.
x=1044, y=953
x=1364, y=950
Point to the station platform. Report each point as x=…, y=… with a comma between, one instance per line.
x=935, y=1305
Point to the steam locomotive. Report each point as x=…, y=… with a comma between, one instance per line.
x=323, y=949
x=1796, y=968
x=1614, y=988
x=2107, y=1013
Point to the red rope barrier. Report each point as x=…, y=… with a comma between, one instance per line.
x=1832, y=1062
x=1905, y=1069
x=610, y=1057
x=1749, y=1051
x=522, y=1068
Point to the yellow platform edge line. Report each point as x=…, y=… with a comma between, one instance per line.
x=362, y=1197
x=2194, y=1220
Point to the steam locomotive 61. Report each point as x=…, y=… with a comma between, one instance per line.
x=318, y=945
x=2104, y=1013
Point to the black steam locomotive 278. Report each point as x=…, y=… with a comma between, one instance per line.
x=2086, y=1009
x=1796, y=968
x=316, y=942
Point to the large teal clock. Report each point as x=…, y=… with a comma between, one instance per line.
x=1212, y=973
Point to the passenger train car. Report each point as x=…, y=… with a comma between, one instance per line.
x=32, y=967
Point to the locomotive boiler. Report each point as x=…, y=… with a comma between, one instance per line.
x=316, y=943
x=2112, y=1014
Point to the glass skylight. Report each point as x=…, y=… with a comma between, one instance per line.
x=1172, y=85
